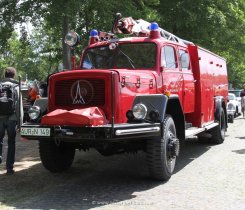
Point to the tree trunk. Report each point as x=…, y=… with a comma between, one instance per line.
x=66, y=49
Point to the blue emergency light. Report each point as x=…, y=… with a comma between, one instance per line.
x=94, y=33
x=154, y=31
x=154, y=26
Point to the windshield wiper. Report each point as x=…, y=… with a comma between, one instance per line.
x=128, y=58
x=92, y=66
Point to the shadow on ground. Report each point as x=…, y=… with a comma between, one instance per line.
x=240, y=151
x=93, y=180
x=240, y=137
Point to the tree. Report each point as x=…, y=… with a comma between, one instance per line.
x=216, y=25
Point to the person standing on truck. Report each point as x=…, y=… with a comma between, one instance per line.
x=33, y=92
x=11, y=115
x=242, y=95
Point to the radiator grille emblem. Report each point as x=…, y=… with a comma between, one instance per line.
x=81, y=92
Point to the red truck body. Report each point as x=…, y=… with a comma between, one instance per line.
x=210, y=74
x=196, y=87
x=129, y=90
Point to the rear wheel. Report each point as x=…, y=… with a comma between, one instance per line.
x=162, y=151
x=56, y=158
x=218, y=133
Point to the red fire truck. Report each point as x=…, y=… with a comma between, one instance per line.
x=142, y=90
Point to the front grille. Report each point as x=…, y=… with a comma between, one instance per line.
x=80, y=92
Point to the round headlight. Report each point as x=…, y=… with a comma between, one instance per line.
x=154, y=115
x=113, y=46
x=139, y=111
x=72, y=39
x=34, y=112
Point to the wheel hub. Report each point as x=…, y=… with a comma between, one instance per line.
x=173, y=146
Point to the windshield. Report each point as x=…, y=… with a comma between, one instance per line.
x=236, y=92
x=231, y=97
x=129, y=56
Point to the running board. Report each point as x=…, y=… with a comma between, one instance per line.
x=194, y=131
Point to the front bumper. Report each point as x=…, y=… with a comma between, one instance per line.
x=231, y=112
x=80, y=134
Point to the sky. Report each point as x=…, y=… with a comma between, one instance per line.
x=28, y=26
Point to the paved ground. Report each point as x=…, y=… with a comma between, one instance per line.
x=207, y=177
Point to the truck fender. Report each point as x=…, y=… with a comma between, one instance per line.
x=42, y=103
x=155, y=102
x=164, y=105
x=174, y=108
x=220, y=103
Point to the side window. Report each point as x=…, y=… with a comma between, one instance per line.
x=184, y=59
x=168, y=58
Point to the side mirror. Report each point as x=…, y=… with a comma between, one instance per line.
x=185, y=60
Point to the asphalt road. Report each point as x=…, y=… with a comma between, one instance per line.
x=206, y=177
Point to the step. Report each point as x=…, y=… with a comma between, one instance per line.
x=194, y=130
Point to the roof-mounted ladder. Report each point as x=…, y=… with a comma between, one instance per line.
x=141, y=27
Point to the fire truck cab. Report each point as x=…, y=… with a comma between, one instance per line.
x=145, y=91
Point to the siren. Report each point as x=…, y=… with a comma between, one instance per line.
x=154, y=31
x=93, y=37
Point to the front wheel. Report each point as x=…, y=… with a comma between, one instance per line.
x=56, y=157
x=162, y=151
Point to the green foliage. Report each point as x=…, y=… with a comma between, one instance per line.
x=217, y=25
x=32, y=57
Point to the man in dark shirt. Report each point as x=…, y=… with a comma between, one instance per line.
x=243, y=91
x=9, y=122
x=242, y=95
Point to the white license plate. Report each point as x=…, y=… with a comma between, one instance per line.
x=35, y=131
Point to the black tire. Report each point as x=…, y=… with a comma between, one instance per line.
x=218, y=133
x=231, y=119
x=56, y=158
x=161, y=161
x=236, y=113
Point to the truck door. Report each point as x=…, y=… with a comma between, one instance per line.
x=188, y=95
x=171, y=74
